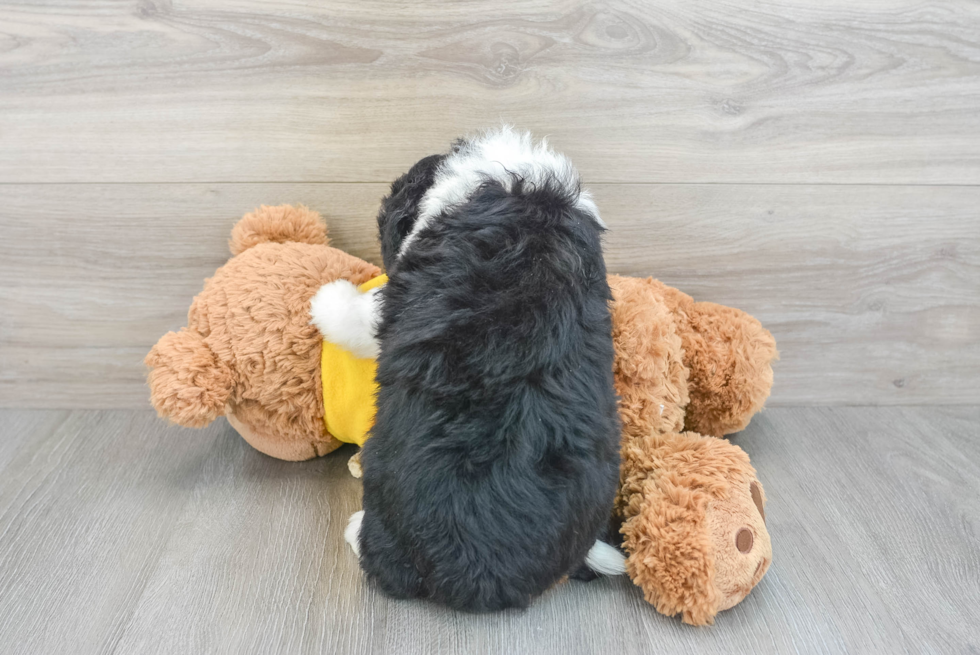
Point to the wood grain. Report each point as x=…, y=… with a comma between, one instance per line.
x=87, y=502
x=22, y=425
x=876, y=515
x=871, y=291
x=143, y=538
x=799, y=91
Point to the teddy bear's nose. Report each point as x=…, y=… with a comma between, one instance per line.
x=744, y=540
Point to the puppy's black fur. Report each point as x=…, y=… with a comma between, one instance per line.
x=401, y=207
x=494, y=458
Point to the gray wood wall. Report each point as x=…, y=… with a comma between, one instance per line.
x=814, y=162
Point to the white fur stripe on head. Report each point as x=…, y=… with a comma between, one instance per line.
x=497, y=155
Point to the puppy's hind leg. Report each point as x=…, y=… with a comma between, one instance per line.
x=382, y=557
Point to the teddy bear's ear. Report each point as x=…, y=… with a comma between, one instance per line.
x=278, y=224
x=188, y=383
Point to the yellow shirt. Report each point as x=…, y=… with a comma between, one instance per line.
x=349, y=388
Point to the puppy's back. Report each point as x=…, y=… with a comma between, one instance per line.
x=494, y=459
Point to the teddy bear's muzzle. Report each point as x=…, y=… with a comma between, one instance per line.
x=743, y=550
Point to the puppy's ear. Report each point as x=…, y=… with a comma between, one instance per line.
x=400, y=208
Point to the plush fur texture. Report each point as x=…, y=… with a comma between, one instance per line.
x=729, y=356
x=649, y=369
x=249, y=349
x=278, y=224
x=493, y=462
x=685, y=500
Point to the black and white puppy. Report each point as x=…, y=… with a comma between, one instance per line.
x=494, y=459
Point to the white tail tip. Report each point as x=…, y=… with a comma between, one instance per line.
x=353, y=532
x=346, y=317
x=605, y=559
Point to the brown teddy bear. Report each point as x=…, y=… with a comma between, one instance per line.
x=690, y=507
x=249, y=350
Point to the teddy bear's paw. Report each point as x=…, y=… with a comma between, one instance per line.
x=670, y=553
x=266, y=439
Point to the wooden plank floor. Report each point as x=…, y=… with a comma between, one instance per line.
x=119, y=534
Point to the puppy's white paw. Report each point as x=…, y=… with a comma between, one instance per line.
x=352, y=534
x=346, y=317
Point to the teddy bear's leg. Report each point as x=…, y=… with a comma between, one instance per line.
x=693, y=524
x=648, y=369
x=729, y=356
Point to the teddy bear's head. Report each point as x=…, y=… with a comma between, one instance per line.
x=694, y=524
x=249, y=350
